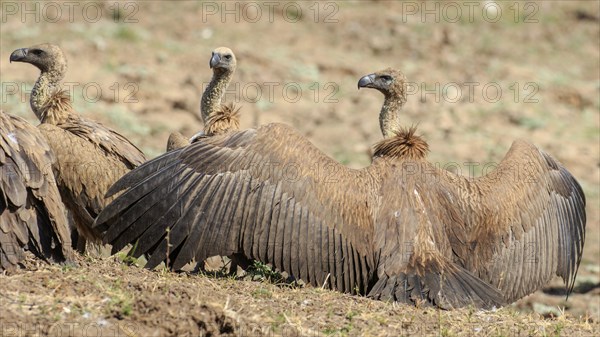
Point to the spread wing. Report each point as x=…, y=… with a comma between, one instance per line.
x=31, y=211
x=525, y=222
x=267, y=193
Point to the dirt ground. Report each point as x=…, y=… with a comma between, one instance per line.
x=482, y=73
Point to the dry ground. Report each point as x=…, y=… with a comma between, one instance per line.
x=141, y=69
x=109, y=298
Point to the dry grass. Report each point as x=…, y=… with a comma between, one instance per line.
x=116, y=299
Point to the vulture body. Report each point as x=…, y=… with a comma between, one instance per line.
x=399, y=229
x=32, y=215
x=90, y=157
x=218, y=118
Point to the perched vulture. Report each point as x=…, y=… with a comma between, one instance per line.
x=90, y=157
x=218, y=118
x=399, y=229
x=32, y=215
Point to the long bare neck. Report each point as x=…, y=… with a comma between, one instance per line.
x=389, y=117
x=43, y=90
x=212, y=96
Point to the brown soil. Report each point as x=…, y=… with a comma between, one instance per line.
x=151, y=74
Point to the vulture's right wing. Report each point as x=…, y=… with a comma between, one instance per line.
x=267, y=193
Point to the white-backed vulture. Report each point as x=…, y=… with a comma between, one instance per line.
x=90, y=157
x=399, y=229
x=32, y=215
x=515, y=227
x=218, y=118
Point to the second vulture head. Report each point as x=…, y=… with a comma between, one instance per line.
x=223, y=59
x=46, y=57
x=388, y=81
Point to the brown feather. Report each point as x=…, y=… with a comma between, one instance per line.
x=410, y=232
x=225, y=120
x=176, y=141
x=56, y=108
x=32, y=215
x=90, y=157
x=404, y=144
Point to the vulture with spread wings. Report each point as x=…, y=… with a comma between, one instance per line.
x=399, y=229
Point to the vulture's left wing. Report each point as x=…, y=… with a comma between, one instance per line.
x=525, y=222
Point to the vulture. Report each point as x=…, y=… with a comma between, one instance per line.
x=32, y=215
x=398, y=230
x=218, y=118
x=90, y=157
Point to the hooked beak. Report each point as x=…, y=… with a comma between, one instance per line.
x=18, y=55
x=366, y=81
x=214, y=60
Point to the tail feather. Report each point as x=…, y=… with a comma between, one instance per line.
x=452, y=288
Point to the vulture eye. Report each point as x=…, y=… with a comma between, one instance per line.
x=386, y=78
x=227, y=57
x=37, y=52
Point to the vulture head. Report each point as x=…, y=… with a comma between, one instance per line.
x=390, y=82
x=46, y=57
x=223, y=59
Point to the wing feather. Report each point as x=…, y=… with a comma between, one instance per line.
x=147, y=214
x=171, y=236
x=231, y=194
x=382, y=230
x=178, y=221
x=32, y=215
x=530, y=205
x=84, y=170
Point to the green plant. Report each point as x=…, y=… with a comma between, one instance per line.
x=262, y=271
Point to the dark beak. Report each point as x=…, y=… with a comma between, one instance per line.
x=214, y=60
x=366, y=81
x=19, y=55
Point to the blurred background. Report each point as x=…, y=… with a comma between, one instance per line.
x=482, y=75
